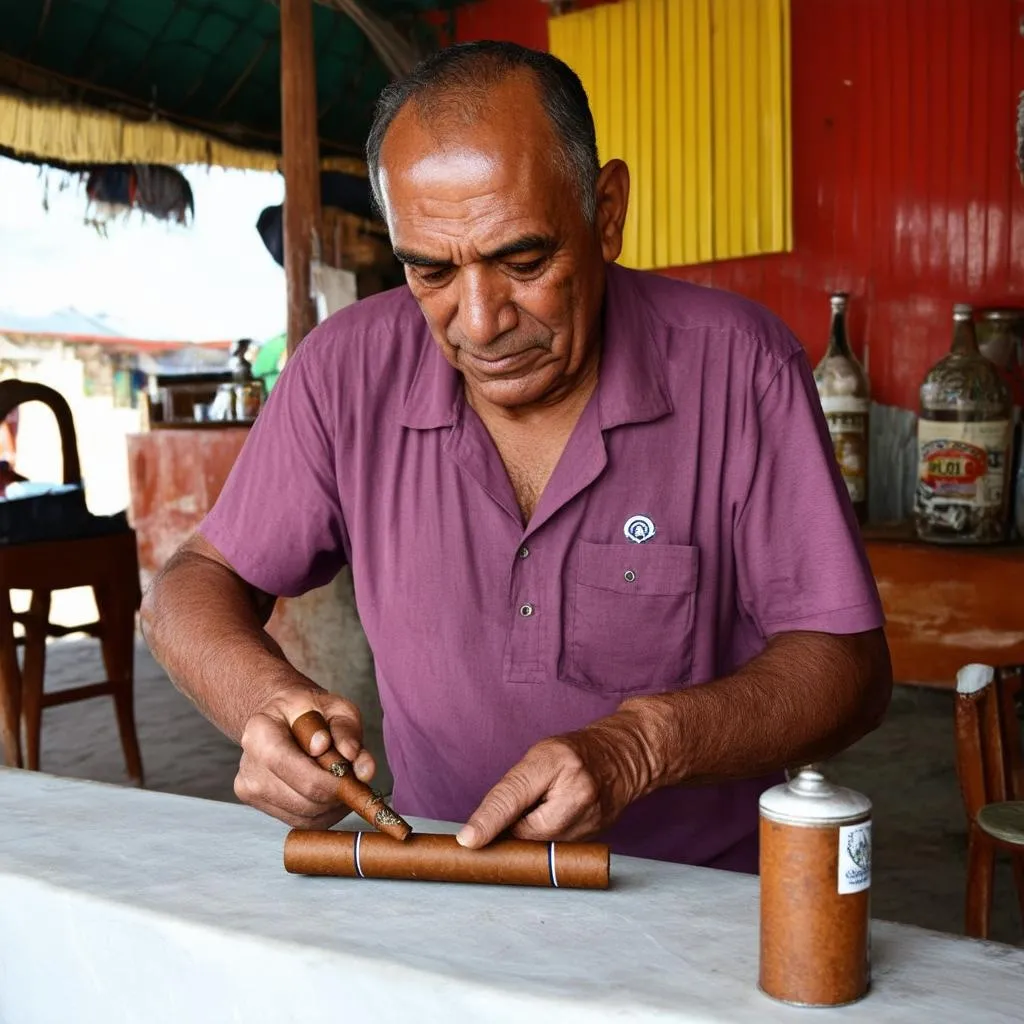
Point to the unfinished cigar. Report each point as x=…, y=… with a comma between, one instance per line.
x=366, y=802
x=433, y=858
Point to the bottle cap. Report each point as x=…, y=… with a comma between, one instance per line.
x=963, y=311
x=810, y=799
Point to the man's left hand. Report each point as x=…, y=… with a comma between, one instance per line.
x=568, y=787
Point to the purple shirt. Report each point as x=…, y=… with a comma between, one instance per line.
x=488, y=637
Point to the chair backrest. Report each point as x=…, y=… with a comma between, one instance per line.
x=16, y=392
x=989, y=760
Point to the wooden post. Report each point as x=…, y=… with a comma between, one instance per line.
x=300, y=152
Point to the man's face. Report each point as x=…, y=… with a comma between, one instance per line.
x=507, y=270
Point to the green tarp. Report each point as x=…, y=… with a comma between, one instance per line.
x=207, y=64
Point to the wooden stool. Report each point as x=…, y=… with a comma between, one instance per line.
x=106, y=562
x=990, y=767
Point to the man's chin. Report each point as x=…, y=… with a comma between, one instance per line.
x=511, y=392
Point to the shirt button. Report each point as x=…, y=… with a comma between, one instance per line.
x=629, y=575
x=526, y=610
x=524, y=552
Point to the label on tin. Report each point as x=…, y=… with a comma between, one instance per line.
x=854, y=857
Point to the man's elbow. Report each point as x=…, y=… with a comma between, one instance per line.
x=876, y=681
x=149, y=609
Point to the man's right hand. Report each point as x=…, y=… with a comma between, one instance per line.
x=276, y=776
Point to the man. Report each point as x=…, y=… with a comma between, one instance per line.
x=569, y=493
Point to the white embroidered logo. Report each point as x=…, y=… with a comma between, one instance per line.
x=638, y=529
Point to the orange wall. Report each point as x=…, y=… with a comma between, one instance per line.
x=905, y=188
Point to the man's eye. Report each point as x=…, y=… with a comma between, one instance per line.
x=435, y=276
x=529, y=267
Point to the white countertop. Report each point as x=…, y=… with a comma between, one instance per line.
x=120, y=905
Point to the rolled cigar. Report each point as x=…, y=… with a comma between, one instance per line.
x=356, y=795
x=433, y=858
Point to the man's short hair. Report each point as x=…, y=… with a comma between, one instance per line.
x=452, y=86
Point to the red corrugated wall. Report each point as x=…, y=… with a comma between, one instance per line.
x=905, y=187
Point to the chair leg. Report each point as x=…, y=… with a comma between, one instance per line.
x=32, y=675
x=10, y=685
x=117, y=637
x=981, y=862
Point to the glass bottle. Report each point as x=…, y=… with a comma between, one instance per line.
x=964, y=434
x=845, y=395
x=1000, y=332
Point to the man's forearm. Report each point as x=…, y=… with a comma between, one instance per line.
x=204, y=627
x=806, y=697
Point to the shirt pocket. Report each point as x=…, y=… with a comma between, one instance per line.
x=631, y=617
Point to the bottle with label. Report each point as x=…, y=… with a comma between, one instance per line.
x=1000, y=333
x=964, y=436
x=845, y=396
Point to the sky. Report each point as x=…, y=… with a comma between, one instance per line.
x=212, y=280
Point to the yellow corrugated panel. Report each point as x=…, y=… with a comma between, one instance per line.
x=631, y=119
x=694, y=95
x=678, y=223
x=663, y=129
x=703, y=152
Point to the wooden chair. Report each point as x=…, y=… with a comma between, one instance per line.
x=107, y=561
x=990, y=767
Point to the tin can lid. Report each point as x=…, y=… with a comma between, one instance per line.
x=810, y=799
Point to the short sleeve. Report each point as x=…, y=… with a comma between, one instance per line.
x=278, y=520
x=800, y=561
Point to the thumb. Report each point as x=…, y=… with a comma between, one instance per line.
x=503, y=806
x=308, y=726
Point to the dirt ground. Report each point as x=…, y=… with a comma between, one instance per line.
x=906, y=768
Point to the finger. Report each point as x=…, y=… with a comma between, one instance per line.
x=365, y=766
x=284, y=804
x=269, y=743
x=558, y=816
x=347, y=735
x=341, y=723
x=341, y=730
x=260, y=788
x=506, y=803
x=564, y=826
x=346, y=728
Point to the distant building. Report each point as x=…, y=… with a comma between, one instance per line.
x=101, y=373
x=82, y=355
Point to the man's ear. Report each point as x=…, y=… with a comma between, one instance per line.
x=612, y=203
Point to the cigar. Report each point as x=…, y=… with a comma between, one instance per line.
x=433, y=858
x=356, y=795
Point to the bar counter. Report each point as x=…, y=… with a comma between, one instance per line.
x=946, y=606
x=175, y=475
x=126, y=905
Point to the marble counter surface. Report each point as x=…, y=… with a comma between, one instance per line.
x=118, y=905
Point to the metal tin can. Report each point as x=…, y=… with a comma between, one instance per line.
x=815, y=889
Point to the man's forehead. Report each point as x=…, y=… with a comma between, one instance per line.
x=469, y=188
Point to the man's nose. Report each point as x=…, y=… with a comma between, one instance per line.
x=485, y=307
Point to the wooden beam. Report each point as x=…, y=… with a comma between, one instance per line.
x=300, y=160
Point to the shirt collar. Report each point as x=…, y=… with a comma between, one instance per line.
x=631, y=387
x=435, y=394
